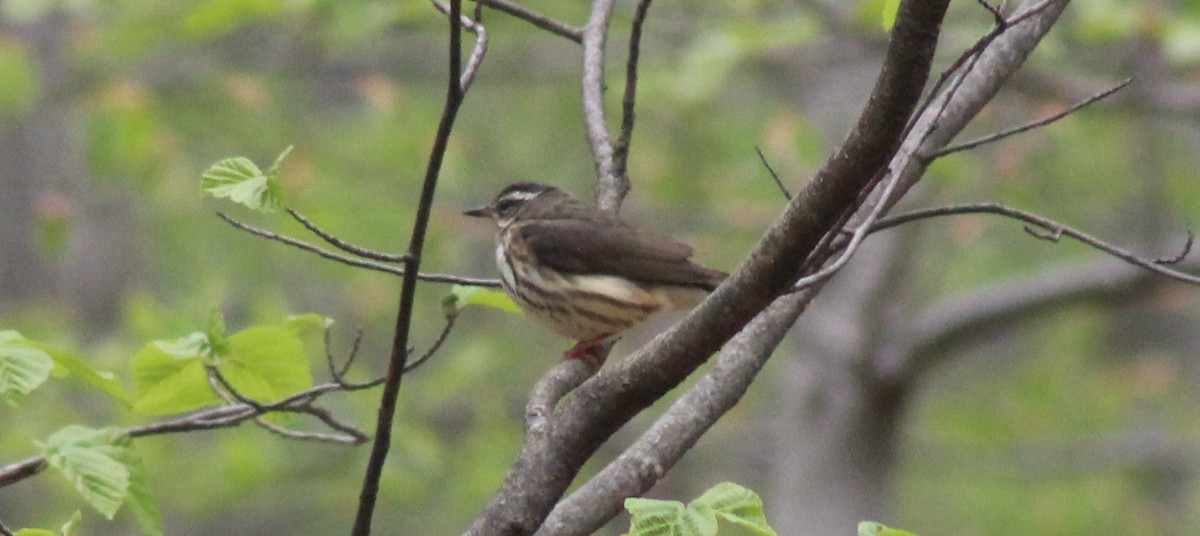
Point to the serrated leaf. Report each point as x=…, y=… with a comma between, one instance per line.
x=89, y=459
x=461, y=296
x=140, y=500
x=737, y=505
x=872, y=528
x=267, y=363
x=23, y=367
x=651, y=517
x=242, y=182
x=167, y=382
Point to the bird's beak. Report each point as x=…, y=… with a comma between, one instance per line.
x=479, y=212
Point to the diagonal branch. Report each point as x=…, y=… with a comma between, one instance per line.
x=1056, y=231
x=359, y=263
x=1028, y=126
x=641, y=465
x=541, y=21
x=621, y=150
x=399, y=353
x=549, y=462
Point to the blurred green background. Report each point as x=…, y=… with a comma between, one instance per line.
x=1080, y=421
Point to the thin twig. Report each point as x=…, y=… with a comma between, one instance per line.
x=621, y=149
x=856, y=239
x=541, y=21
x=335, y=241
x=4, y=530
x=227, y=391
x=1028, y=126
x=997, y=16
x=481, y=43
x=436, y=345
x=398, y=358
x=610, y=187
x=774, y=176
x=370, y=265
x=1053, y=231
x=208, y=419
x=1187, y=248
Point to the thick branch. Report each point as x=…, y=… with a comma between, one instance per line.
x=656, y=451
x=604, y=403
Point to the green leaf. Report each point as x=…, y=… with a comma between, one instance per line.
x=307, y=323
x=23, y=366
x=651, y=517
x=140, y=500
x=89, y=458
x=461, y=296
x=890, y=8
x=169, y=376
x=871, y=528
x=67, y=363
x=736, y=504
x=264, y=363
x=218, y=344
x=242, y=182
x=267, y=363
x=67, y=529
x=726, y=501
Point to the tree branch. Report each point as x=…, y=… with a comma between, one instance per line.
x=610, y=187
x=541, y=21
x=1056, y=231
x=399, y=353
x=621, y=150
x=359, y=263
x=549, y=462
x=641, y=465
x=1028, y=126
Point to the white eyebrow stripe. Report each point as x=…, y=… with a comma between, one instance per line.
x=520, y=196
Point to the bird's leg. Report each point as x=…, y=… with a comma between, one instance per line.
x=593, y=351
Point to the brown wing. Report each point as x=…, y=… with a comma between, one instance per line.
x=615, y=248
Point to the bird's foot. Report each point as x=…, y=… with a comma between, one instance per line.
x=592, y=351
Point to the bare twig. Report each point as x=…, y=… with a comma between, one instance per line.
x=610, y=187
x=370, y=265
x=774, y=176
x=4, y=530
x=1052, y=229
x=211, y=419
x=399, y=353
x=481, y=42
x=328, y=237
x=621, y=150
x=437, y=344
x=1028, y=126
x=541, y=21
x=1183, y=253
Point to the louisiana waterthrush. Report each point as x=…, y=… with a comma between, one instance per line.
x=585, y=273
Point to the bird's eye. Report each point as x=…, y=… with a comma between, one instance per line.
x=505, y=205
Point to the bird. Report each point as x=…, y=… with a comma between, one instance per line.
x=585, y=273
